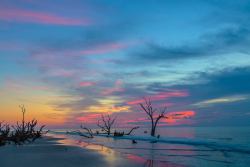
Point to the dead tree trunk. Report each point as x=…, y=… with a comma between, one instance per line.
x=150, y=111
x=106, y=123
x=131, y=130
x=89, y=132
x=23, y=110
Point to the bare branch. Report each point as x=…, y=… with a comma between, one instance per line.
x=131, y=130
x=89, y=132
x=106, y=123
x=150, y=111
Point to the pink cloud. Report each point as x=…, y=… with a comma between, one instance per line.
x=21, y=15
x=19, y=85
x=61, y=73
x=89, y=118
x=175, y=116
x=117, y=88
x=104, y=48
x=130, y=119
x=86, y=83
x=160, y=96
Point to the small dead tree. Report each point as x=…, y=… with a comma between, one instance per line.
x=21, y=132
x=23, y=110
x=88, y=133
x=131, y=130
x=106, y=123
x=151, y=112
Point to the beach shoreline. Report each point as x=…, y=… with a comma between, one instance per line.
x=67, y=150
x=50, y=152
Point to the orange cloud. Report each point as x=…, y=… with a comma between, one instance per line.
x=108, y=108
x=173, y=117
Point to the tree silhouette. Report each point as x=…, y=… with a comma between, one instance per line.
x=106, y=123
x=23, y=110
x=151, y=112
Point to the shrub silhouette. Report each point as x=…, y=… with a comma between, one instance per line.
x=20, y=133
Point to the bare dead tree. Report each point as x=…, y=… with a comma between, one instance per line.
x=89, y=132
x=4, y=133
x=122, y=133
x=131, y=130
x=151, y=112
x=21, y=132
x=106, y=123
x=23, y=110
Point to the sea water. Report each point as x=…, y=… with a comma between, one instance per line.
x=220, y=146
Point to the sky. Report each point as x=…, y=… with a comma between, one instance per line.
x=69, y=61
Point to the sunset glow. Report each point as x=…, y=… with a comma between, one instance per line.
x=72, y=62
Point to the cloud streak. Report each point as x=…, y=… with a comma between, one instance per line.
x=86, y=83
x=161, y=96
x=28, y=16
x=216, y=101
x=104, y=48
x=175, y=116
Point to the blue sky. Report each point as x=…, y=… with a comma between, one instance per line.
x=75, y=60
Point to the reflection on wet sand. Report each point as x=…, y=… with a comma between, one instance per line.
x=152, y=162
x=111, y=155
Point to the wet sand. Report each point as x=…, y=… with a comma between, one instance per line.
x=50, y=152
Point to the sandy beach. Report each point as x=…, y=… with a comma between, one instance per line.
x=48, y=152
